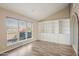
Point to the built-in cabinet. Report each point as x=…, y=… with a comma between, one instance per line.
x=55, y=31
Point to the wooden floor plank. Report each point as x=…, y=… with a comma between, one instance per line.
x=42, y=48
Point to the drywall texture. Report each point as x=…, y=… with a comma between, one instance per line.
x=64, y=13
x=74, y=8
x=3, y=37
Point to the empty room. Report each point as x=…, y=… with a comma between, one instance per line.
x=39, y=29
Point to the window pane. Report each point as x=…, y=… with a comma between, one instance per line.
x=11, y=23
x=12, y=38
x=29, y=31
x=12, y=30
x=22, y=30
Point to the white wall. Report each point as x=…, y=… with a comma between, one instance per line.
x=74, y=26
x=57, y=31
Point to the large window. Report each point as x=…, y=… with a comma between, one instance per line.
x=18, y=30
x=12, y=30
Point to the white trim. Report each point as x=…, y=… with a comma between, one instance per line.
x=75, y=50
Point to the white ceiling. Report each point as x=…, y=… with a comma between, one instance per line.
x=37, y=11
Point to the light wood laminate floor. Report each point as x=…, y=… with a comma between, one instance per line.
x=41, y=48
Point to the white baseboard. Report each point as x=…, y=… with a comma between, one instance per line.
x=75, y=50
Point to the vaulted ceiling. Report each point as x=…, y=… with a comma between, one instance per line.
x=37, y=11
